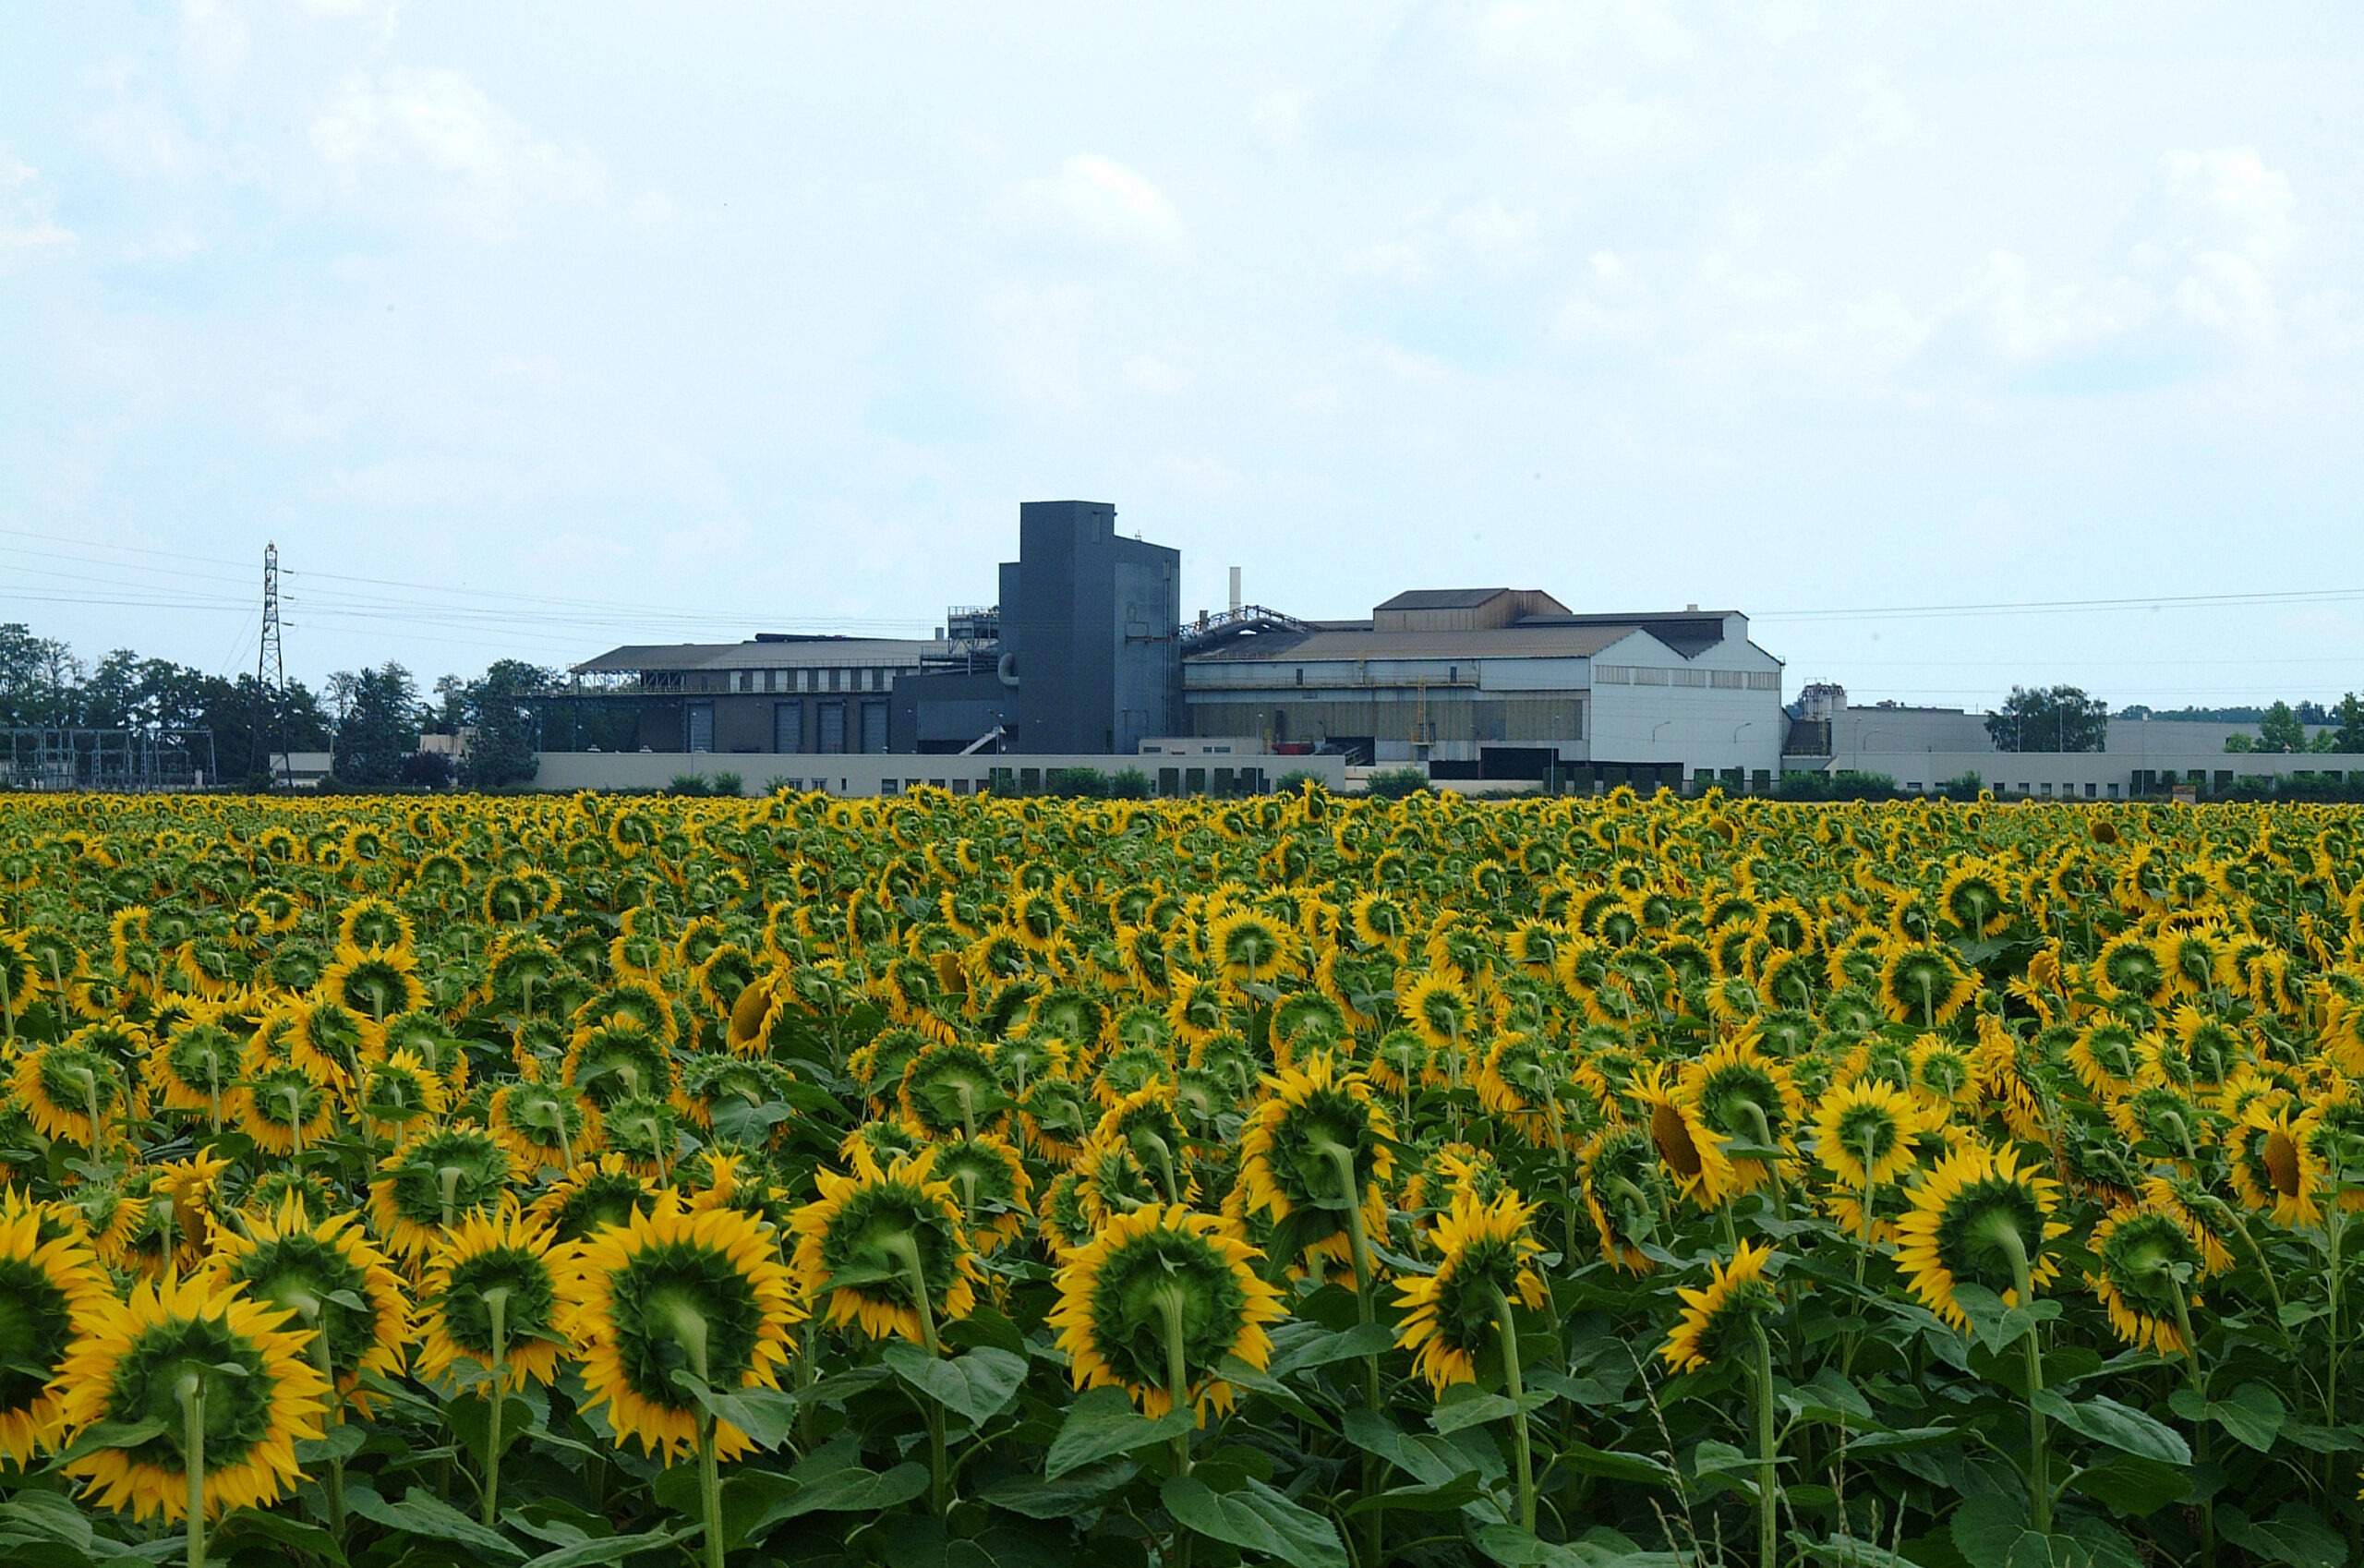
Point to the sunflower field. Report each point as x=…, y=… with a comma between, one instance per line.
x=1613, y=1183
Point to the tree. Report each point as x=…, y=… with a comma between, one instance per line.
x=508, y=730
x=39, y=678
x=2281, y=731
x=379, y=724
x=2350, y=718
x=2060, y=718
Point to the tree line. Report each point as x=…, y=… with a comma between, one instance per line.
x=2065, y=718
x=369, y=720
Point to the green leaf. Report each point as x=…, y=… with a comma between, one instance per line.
x=1431, y=1460
x=47, y=1513
x=1911, y=1440
x=765, y=1415
x=1985, y=1527
x=1720, y=1464
x=2254, y=1414
x=1446, y=1497
x=1848, y=1553
x=1515, y=1548
x=1103, y=1424
x=848, y=1489
x=1062, y=1498
x=420, y=1512
x=1586, y=1460
x=1239, y=1374
x=2295, y=1535
x=1320, y=1347
x=2131, y=1484
x=1256, y=1518
x=604, y=1550
x=1471, y=1410
x=2120, y=1426
x=978, y=1385
x=113, y=1434
x=253, y=1526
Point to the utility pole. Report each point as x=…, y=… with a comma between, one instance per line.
x=270, y=671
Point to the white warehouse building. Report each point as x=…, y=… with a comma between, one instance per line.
x=1502, y=683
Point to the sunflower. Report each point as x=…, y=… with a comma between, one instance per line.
x=1866, y=1121
x=990, y=1178
x=1978, y=1218
x=1454, y=1314
x=1736, y=1293
x=490, y=1295
x=432, y=1179
x=1249, y=947
x=544, y=1126
x=400, y=1091
x=183, y=1356
x=589, y=1195
x=51, y=1287
x=73, y=1093
x=673, y=1291
x=1739, y=1093
x=1156, y=1302
x=1691, y=1151
x=868, y=1235
x=2271, y=1166
x=1439, y=1007
x=1625, y=1193
x=316, y=1269
x=1924, y=982
x=1315, y=1143
x=2146, y=1260
x=1975, y=901
x=285, y=1107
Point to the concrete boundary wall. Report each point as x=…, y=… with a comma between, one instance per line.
x=877, y=773
x=2106, y=776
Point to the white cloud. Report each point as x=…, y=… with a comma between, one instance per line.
x=28, y=225
x=478, y=164
x=1281, y=113
x=1147, y=372
x=2238, y=224
x=1097, y=199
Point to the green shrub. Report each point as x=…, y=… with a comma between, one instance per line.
x=1394, y=783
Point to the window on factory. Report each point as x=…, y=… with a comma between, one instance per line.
x=831, y=717
x=771, y=680
x=835, y=676
x=1612, y=674
x=1729, y=679
x=1690, y=678
x=1763, y=680
x=1647, y=677
x=874, y=727
x=788, y=727
x=1300, y=680
x=697, y=727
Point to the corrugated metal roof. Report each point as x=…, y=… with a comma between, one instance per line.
x=804, y=653
x=1442, y=598
x=1507, y=642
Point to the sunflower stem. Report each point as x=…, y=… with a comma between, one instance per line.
x=1515, y=1382
x=191, y=1391
x=1177, y=1390
x=2006, y=1239
x=2200, y=1387
x=906, y=1252
x=1342, y=1161
x=1768, y=1488
x=496, y=1306
x=689, y=1329
x=316, y=1314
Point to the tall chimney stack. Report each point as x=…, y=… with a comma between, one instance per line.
x=1234, y=590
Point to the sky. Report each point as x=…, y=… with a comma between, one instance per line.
x=531, y=329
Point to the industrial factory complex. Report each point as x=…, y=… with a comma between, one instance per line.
x=1085, y=659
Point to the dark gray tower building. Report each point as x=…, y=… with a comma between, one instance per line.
x=1089, y=627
